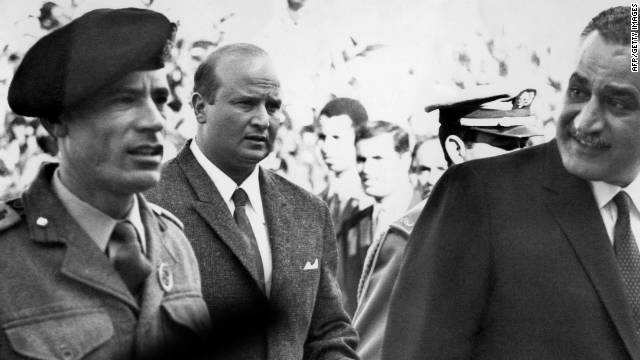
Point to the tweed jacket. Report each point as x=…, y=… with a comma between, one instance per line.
x=510, y=259
x=303, y=317
x=60, y=296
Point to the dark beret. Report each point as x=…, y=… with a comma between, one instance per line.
x=75, y=61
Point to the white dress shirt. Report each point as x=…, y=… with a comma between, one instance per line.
x=251, y=185
x=604, y=194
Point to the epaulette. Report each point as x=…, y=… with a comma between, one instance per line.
x=10, y=213
x=167, y=214
x=408, y=220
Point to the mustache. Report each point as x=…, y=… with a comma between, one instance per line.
x=588, y=139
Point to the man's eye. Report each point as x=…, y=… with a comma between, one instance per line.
x=620, y=104
x=126, y=99
x=577, y=94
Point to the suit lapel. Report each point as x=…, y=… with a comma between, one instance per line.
x=283, y=249
x=213, y=209
x=83, y=261
x=571, y=202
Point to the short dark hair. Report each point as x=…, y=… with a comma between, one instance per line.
x=205, y=80
x=612, y=24
x=346, y=106
x=375, y=128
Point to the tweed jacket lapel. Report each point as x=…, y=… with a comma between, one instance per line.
x=213, y=210
x=283, y=249
x=83, y=260
x=571, y=202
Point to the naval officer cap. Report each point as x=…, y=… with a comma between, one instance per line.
x=74, y=62
x=499, y=114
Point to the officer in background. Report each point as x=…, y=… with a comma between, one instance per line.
x=383, y=156
x=90, y=269
x=469, y=129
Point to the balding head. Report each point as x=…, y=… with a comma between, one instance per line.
x=206, y=79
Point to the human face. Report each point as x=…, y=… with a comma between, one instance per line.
x=428, y=165
x=238, y=129
x=382, y=170
x=113, y=141
x=599, y=126
x=335, y=139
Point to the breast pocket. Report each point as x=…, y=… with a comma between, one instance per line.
x=65, y=335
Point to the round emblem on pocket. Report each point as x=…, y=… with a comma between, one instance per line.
x=165, y=277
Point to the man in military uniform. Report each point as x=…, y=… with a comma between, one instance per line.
x=383, y=159
x=90, y=269
x=469, y=129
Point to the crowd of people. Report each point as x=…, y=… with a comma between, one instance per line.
x=160, y=202
x=23, y=148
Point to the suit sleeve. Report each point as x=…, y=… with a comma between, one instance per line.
x=331, y=335
x=438, y=300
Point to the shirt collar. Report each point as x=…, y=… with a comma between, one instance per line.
x=604, y=192
x=94, y=222
x=226, y=186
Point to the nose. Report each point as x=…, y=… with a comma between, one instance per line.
x=589, y=118
x=152, y=117
x=261, y=117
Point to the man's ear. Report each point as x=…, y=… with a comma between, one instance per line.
x=455, y=149
x=199, y=103
x=56, y=128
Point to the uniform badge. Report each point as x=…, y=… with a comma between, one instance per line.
x=165, y=277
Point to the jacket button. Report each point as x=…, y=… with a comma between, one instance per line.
x=42, y=221
x=65, y=352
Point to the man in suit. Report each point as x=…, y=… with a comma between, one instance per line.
x=89, y=268
x=458, y=140
x=336, y=127
x=533, y=255
x=266, y=247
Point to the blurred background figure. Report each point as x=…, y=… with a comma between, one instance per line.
x=383, y=160
x=427, y=164
x=336, y=127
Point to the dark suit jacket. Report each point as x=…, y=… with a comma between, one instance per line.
x=303, y=317
x=510, y=260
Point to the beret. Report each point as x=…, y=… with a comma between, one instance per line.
x=74, y=62
x=497, y=114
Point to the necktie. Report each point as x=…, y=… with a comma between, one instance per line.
x=626, y=249
x=240, y=200
x=127, y=258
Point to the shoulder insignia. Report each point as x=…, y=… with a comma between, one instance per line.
x=167, y=214
x=10, y=213
x=409, y=219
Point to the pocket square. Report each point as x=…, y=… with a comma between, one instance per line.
x=310, y=266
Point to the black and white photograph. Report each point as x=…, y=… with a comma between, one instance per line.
x=319, y=179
